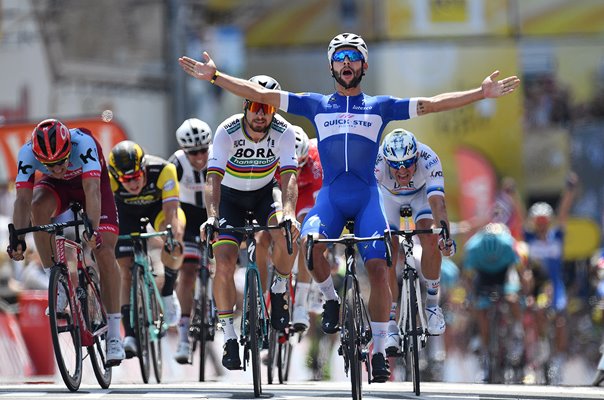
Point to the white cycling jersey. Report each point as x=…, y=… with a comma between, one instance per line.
x=192, y=182
x=246, y=165
x=427, y=181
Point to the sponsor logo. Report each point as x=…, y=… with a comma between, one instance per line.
x=87, y=156
x=363, y=108
x=432, y=163
x=254, y=153
x=169, y=185
x=436, y=174
x=23, y=168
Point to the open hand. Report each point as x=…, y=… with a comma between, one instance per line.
x=197, y=69
x=491, y=87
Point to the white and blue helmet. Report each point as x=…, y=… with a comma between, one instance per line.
x=400, y=149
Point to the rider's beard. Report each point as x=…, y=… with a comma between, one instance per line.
x=353, y=83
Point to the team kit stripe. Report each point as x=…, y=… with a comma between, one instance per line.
x=251, y=172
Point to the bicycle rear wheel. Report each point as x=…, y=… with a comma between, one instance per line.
x=65, y=330
x=273, y=355
x=255, y=330
x=413, y=313
x=96, y=320
x=155, y=339
x=284, y=358
x=141, y=327
x=350, y=342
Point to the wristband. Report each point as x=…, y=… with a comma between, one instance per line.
x=216, y=75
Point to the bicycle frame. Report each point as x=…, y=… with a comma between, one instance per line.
x=74, y=322
x=412, y=309
x=141, y=260
x=247, y=332
x=354, y=340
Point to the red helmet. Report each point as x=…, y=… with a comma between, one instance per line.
x=51, y=141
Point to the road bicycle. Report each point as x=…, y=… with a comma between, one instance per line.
x=355, y=332
x=412, y=321
x=254, y=319
x=504, y=363
x=83, y=322
x=146, y=305
x=203, y=317
x=280, y=341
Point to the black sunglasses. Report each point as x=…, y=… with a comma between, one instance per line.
x=196, y=151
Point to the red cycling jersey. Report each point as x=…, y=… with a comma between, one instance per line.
x=310, y=180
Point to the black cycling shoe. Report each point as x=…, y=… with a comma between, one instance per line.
x=380, y=368
x=330, y=319
x=279, y=311
x=230, y=356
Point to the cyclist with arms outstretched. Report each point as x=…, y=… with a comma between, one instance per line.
x=73, y=170
x=349, y=125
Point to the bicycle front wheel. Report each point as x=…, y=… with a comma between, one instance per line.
x=96, y=321
x=204, y=314
x=140, y=308
x=158, y=331
x=64, y=329
x=255, y=330
x=351, y=343
x=273, y=338
x=413, y=314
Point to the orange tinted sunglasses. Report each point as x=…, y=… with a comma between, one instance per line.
x=255, y=107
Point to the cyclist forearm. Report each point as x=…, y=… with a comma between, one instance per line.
x=22, y=208
x=92, y=190
x=439, y=210
x=170, y=210
x=212, y=194
x=289, y=193
x=248, y=90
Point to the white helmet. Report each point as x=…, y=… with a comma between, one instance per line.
x=302, y=143
x=266, y=81
x=400, y=149
x=541, y=209
x=194, y=134
x=347, y=39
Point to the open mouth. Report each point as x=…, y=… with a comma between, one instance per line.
x=347, y=72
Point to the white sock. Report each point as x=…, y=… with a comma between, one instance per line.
x=113, y=325
x=392, y=327
x=328, y=289
x=183, y=328
x=302, y=289
x=379, y=331
x=432, y=286
x=228, y=327
x=280, y=283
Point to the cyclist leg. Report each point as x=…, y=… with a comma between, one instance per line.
x=45, y=201
x=263, y=244
x=369, y=221
x=326, y=220
x=392, y=205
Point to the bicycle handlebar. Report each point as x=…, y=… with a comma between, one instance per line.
x=347, y=240
x=54, y=227
x=248, y=229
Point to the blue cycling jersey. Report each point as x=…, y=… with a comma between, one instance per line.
x=349, y=130
x=492, y=255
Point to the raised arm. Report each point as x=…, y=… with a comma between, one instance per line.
x=490, y=88
x=207, y=71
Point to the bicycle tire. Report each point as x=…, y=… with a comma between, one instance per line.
x=140, y=326
x=273, y=354
x=351, y=343
x=284, y=360
x=96, y=319
x=413, y=313
x=205, y=322
x=255, y=334
x=157, y=319
x=65, y=330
